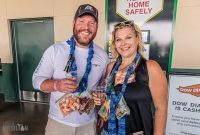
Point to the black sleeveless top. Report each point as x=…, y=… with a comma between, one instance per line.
x=139, y=100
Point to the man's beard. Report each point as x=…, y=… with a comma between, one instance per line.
x=78, y=39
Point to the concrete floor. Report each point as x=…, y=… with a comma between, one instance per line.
x=23, y=118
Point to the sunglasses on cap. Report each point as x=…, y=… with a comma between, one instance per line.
x=124, y=23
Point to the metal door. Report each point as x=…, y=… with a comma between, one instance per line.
x=30, y=38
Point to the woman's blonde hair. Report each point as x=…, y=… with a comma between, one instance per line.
x=138, y=33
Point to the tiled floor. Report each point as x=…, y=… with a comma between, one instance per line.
x=23, y=118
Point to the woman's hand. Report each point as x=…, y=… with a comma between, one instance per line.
x=100, y=122
x=99, y=97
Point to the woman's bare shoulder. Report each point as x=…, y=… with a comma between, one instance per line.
x=110, y=65
x=155, y=71
x=109, y=68
x=153, y=66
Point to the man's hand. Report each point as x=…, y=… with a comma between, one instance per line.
x=67, y=85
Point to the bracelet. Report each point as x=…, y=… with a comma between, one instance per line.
x=55, y=85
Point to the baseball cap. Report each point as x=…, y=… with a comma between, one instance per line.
x=86, y=8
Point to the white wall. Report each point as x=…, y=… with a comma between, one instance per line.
x=186, y=37
x=62, y=10
x=186, y=49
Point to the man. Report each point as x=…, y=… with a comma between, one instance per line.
x=80, y=55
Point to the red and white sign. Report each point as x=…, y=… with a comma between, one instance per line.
x=140, y=11
x=183, y=116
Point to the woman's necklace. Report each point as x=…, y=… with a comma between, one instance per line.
x=115, y=98
x=123, y=68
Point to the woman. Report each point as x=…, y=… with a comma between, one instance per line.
x=138, y=81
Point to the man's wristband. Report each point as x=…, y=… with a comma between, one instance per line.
x=55, y=85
